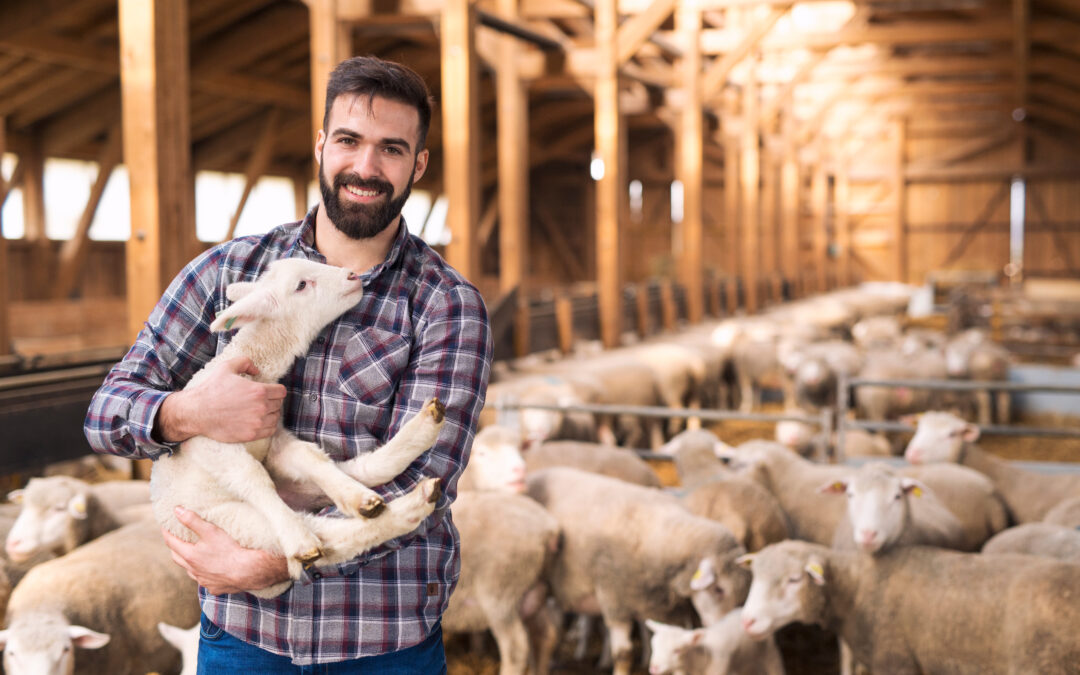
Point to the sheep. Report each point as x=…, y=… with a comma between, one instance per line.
x=886, y=403
x=231, y=485
x=924, y=610
x=803, y=438
x=695, y=454
x=679, y=372
x=722, y=648
x=1066, y=513
x=537, y=424
x=944, y=437
x=187, y=641
x=747, y=509
x=503, y=556
x=631, y=552
x=886, y=509
x=972, y=355
x=969, y=495
x=59, y=513
x=876, y=332
x=1042, y=539
x=606, y=460
x=815, y=367
x=108, y=596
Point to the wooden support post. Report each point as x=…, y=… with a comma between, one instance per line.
x=564, y=322
x=73, y=252
x=331, y=43
x=899, y=230
x=610, y=188
x=819, y=196
x=732, y=197
x=512, y=121
x=157, y=148
x=770, y=234
x=300, y=181
x=461, y=141
x=751, y=197
x=33, y=193
x=5, y=321
x=261, y=153
x=790, y=204
x=641, y=298
x=669, y=311
x=691, y=161
x=841, y=206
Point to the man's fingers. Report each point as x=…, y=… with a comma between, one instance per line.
x=193, y=522
x=275, y=392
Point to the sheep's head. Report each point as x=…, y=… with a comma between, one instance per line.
x=495, y=462
x=673, y=648
x=52, y=509
x=877, y=504
x=719, y=585
x=308, y=294
x=787, y=587
x=43, y=644
x=940, y=437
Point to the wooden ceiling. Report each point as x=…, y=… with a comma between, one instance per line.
x=940, y=63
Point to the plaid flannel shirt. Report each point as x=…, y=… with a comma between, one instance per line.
x=420, y=330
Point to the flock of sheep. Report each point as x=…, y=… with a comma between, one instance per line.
x=925, y=567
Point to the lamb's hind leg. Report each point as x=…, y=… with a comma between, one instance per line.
x=345, y=538
x=291, y=458
x=387, y=462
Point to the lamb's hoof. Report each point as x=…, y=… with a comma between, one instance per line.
x=437, y=409
x=373, y=508
x=309, y=557
x=436, y=490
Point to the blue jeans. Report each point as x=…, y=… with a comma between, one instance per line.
x=223, y=654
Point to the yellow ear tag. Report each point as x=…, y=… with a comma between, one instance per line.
x=816, y=569
x=80, y=507
x=697, y=575
x=839, y=486
x=917, y=491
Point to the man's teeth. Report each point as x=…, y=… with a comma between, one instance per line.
x=361, y=192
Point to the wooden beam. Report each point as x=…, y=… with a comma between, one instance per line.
x=790, y=203
x=330, y=45
x=819, y=200
x=73, y=251
x=33, y=194
x=564, y=252
x=512, y=139
x=841, y=209
x=966, y=151
x=610, y=188
x=717, y=73
x=461, y=135
x=690, y=167
x=899, y=226
x=5, y=268
x=637, y=29
x=300, y=181
x=732, y=198
x=157, y=149
x=261, y=153
x=1000, y=197
x=750, y=173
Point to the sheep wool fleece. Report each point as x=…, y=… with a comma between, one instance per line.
x=420, y=330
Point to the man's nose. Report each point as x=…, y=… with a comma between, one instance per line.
x=366, y=162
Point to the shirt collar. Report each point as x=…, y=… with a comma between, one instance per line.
x=304, y=245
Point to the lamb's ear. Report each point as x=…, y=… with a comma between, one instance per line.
x=76, y=507
x=816, y=571
x=971, y=433
x=86, y=638
x=704, y=576
x=239, y=289
x=836, y=487
x=912, y=487
x=254, y=305
x=16, y=496
x=745, y=561
x=655, y=626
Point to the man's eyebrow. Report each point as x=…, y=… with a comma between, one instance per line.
x=342, y=131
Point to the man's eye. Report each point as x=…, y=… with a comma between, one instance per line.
x=301, y=286
x=393, y=150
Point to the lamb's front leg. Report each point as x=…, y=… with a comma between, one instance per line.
x=302, y=461
x=415, y=436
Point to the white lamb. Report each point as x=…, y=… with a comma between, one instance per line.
x=722, y=648
x=230, y=484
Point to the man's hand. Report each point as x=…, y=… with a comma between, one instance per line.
x=226, y=407
x=220, y=565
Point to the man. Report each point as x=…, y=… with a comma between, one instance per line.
x=420, y=330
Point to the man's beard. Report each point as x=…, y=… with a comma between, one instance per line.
x=361, y=221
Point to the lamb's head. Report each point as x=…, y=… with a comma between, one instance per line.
x=878, y=504
x=306, y=294
x=43, y=644
x=495, y=462
x=53, y=510
x=719, y=585
x=788, y=586
x=796, y=435
x=940, y=437
x=673, y=649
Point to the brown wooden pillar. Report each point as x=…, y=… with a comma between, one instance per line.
x=732, y=198
x=691, y=161
x=819, y=198
x=5, y=321
x=750, y=171
x=32, y=158
x=790, y=184
x=157, y=148
x=900, y=253
x=610, y=188
x=461, y=131
x=331, y=43
x=841, y=205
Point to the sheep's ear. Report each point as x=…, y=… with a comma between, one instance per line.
x=655, y=626
x=239, y=289
x=76, y=507
x=4, y=635
x=704, y=576
x=910, y=420
x=696, y=636
x=745, y=561
x=86, y=638
x=16, y=496
x=255, y=305
x=971, y=433
x=816, y=571
x=836, y=487
x=912, y=487
x=723, y=451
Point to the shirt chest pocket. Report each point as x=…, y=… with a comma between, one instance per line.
x=371, y=366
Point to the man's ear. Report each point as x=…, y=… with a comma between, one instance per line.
x=421, y=164
x=254, y=305
x=320, y=141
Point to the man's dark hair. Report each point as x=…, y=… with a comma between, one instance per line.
x=371, y=76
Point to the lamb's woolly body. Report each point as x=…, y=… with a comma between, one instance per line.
x=605, y=460
x=722, y=648
x=750, y=511
x=1066, y=513
x=1041, y=539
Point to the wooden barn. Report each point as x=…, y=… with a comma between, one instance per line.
x=605, y=172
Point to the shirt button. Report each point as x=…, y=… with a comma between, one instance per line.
x=314, y=397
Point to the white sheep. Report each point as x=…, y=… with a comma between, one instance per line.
x=886, y=509
x=230, y=484
x=59, y=513
x=1066, y=513
x=1042, y=539
x=722, y=648
x=944, y=437
x=507, y=541
x=632, y=553
x=106, y=596
x=921, y=609
x=607, y=460
x=187, y=641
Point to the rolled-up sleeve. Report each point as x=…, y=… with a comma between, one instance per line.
x=174, y=343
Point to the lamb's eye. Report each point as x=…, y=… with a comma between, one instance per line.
x=795, y=579
x=302, y=285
